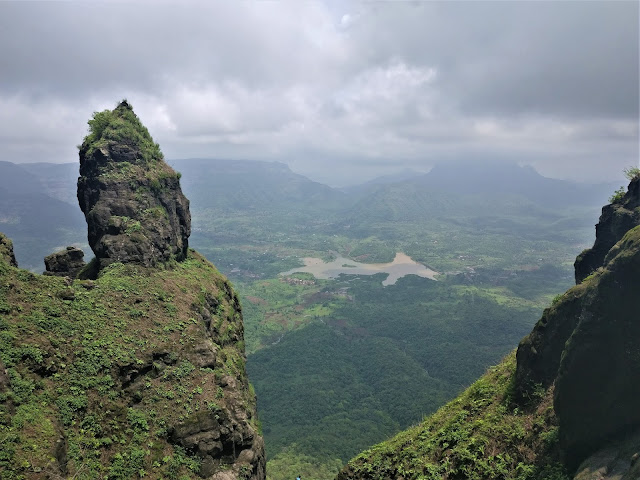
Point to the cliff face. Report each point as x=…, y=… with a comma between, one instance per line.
x=568, y=407
x=617, y=219
x=138, y=372
x=131, y=199
x=586, y=343
x=597, y=388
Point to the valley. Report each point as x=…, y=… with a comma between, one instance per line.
x=343, y=356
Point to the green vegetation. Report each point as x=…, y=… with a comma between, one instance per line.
x=109, y=368
x=618, y=195
x=121, y=126
x=477, y=436
x=379, y=361
x=341, y=364
x=631, y=173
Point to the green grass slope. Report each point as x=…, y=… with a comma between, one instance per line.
x=480, y=435
x=98, y=377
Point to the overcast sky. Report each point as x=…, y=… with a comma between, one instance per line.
x=341, y=91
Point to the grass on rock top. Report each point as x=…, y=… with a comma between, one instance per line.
x=85, y=359
x=123, y=128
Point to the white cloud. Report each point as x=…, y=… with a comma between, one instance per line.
x=359, y=85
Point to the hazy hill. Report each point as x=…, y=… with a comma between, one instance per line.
x=37, y=222
x=475, y=190
x=510, y=179
x=56, y=179
x=251, y=185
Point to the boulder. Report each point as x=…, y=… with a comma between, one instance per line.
x=65, y=263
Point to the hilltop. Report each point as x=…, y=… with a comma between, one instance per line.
x=133, y=365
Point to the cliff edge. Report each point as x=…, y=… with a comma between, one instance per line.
x=586, y=344
x=135, y=369
x=566, y=404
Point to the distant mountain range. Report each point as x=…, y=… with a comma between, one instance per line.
x=38, y=201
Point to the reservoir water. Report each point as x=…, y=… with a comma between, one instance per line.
x=402, y=265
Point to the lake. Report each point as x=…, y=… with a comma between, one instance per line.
x=402, y=265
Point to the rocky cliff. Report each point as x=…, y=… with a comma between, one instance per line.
x=567, y=404
x=139, y=371
x=131, y=199
x=586, y=344
x=617, y=219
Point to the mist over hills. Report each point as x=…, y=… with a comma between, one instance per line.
x=34, y=216
x=41, y=196
x=257, y=185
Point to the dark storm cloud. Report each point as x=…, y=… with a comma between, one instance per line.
x=335, y=88
x=571, y=58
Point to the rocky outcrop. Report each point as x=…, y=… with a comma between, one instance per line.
x=586, y=343
x=617, y=461
x=617, y=219
x=220, y=439
x=6, y=251
x=65, y=263
x=131, y=199
x=127, y=371
x=598, y=383
x=539, y=352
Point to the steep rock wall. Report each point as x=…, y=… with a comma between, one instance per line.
x=586, y=344
x=127, y=371
x=131, y=199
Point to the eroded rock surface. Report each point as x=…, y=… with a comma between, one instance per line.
x=597, y=389
x=618, y=461
x=617, y=219
x=586, y=343
x=6, y=250
x=65, y=263
x=131, y=199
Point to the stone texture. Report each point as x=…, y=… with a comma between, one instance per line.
x=219, y=437
x=618, y=461
x=131, y=199
x=586, y=343
x=65, y=263
x=597, y=388
x=616, y=220
x=6, y=250
x=539, y=353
